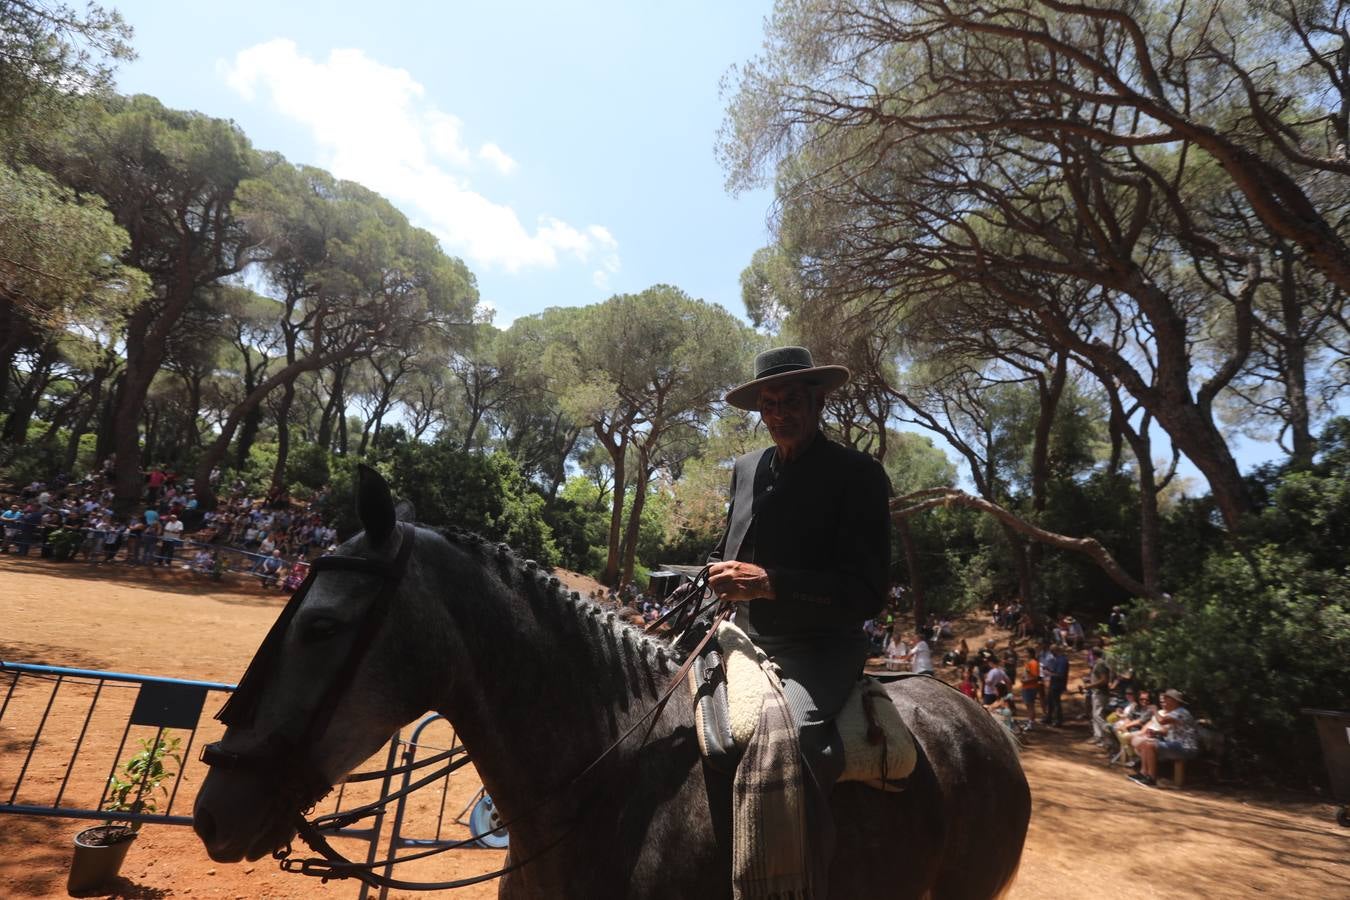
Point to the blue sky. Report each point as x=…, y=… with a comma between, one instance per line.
x=564, y=151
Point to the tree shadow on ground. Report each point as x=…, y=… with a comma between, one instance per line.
x=239, y=591
x=41, y=870
x=1220, y=832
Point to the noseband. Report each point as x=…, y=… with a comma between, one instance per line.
x=284, y=758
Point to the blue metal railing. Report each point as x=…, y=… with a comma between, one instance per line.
x=165, y=704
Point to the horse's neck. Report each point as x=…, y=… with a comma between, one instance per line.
x=542, y=684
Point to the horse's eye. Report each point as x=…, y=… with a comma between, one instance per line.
x=320, y=628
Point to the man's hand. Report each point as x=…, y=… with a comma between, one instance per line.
x=739, y=582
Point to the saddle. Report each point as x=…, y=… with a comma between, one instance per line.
x=727, y=683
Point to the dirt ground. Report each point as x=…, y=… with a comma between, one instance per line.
x=1093, y=832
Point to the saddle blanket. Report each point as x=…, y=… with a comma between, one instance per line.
x=728, y=688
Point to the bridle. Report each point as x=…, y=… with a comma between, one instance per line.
x=283, y=756
x=286, y=761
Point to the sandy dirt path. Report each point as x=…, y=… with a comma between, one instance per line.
x=1093, y=833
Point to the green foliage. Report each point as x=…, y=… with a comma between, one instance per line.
x=1252, y=641
x=578, y=532
x=486, y=494
x=64, y=542
x=1256, y=633
x=59, y=254
x=307, y=464
x=136, y=786
x=51, y=55
x=33, y=460
x=257, y=472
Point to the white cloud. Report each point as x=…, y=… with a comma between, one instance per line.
x=374, y=124
x=493, y=154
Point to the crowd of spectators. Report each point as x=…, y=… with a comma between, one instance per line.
x=268, y=537
x=1135, y=728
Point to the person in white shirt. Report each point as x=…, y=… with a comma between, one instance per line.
x=993, y=680
x=173, y=536
x=920, y=657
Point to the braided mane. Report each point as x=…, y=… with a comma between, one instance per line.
x=547, y=592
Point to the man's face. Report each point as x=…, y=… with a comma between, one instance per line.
x=790, y=413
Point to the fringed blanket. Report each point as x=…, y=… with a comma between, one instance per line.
x=768, y=845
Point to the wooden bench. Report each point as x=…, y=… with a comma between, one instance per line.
x=1211, y=751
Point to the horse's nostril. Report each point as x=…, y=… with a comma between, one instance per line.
x=204, y=825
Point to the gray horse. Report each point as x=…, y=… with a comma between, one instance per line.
x=537, y=683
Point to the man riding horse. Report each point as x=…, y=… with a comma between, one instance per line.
x=806, y=554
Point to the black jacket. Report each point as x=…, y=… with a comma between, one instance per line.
x=820, y=525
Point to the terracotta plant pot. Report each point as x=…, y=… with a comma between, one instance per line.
x=99, y=852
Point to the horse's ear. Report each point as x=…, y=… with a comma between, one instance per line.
x=374, y=504
x=404, y=511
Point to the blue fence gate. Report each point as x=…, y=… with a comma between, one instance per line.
x=68, y=731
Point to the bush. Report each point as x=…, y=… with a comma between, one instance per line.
x=486, y=494
x=1250, y=643
x=1262, y=630
x=34, y=460
x=308, y=465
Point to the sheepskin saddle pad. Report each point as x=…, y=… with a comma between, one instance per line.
x=728, y=682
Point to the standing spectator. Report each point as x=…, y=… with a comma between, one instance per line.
x=93, y=537
x=9, y=525
x=995, y=683
x=1030, y=682
x=113, y=533
x=1056, y=673
x=173, y=537
x=970, y=685
x=150, y=538
x=135, y=530
x=920, y=657
x=154, y=484
x=1098, y=687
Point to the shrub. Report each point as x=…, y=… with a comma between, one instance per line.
x=486, y=494
x=307, y=464
x=1250, y=642
x=1260, y=629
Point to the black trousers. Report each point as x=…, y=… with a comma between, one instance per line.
x=1054, y=700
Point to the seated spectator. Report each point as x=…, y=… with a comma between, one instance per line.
x=896, y=650
x=269, y=569
x=1171, y=735
x=1001, y=708
x=1126, y=722
x=296, y=576
x=201, y=562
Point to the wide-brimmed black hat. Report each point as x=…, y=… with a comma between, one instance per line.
x=783, y=364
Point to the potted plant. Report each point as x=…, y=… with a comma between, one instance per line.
x=133, y=788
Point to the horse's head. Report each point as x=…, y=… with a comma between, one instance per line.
x=327, y=688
